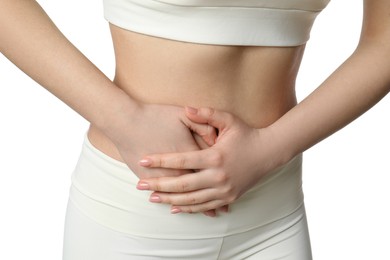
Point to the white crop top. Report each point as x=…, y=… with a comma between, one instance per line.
x=222, y=22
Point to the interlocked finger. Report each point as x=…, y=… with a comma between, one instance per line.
x=198, y=207
x=202, y=159
x=184, y=199
x=184, y=183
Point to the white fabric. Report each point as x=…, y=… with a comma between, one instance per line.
x=108, y=218
x=285, y=239
x=105, y=190
x=222, y=22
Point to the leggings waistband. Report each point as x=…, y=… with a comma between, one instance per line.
x=105, y=190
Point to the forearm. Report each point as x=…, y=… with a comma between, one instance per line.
x=356, y=86
x=32, y=42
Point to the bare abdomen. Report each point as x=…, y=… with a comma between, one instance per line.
x=254, y=83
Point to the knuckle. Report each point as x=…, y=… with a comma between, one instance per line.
x=161, y=162
x=166, y=199
x=221, y=178
x=195, y=208
x=216, y=159
x=229, y=194
x=210, y=111
x=158, y=186
x=191, y=200
x=231, y=199
x=190, y=209
x=181, y=163
x=182, y=186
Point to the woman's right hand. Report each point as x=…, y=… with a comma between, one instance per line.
x=154, y=129
x=159, y=129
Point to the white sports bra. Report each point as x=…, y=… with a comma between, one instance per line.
x=222, y=22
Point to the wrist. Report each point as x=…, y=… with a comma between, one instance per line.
x=279, y=150
x=117, y=115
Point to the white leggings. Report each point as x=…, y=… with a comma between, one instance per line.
x=108, y=219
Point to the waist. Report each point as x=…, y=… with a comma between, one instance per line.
x=104, y=190
x=253, y=83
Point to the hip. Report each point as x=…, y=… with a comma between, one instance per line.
x=104, y=189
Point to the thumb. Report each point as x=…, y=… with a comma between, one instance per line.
x=210, y=116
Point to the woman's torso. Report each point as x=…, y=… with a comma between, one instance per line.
x=254, y=83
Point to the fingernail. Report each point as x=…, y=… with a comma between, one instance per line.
x=155, y=198
x=224, y=210
x=145, y=162
x=210, y=214
x=142, y=186
x=175, y=210
x=192, y=110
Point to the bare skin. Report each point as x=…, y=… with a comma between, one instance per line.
x=254, y=83
x=257, y=84
x=251, y=91
x=243, y=154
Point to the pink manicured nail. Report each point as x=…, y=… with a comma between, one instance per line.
x=210, y=214
x=192, y=110
x=142, y=186
x=145, y=162
x=224, y=209
x=175, y=210
x=155, y=198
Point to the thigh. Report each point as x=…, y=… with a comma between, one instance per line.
x=87, y=240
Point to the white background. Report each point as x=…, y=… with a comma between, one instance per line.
x=345, y=177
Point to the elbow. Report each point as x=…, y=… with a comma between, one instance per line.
x=374, y=54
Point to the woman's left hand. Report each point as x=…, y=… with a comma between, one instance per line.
x=223, y=172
